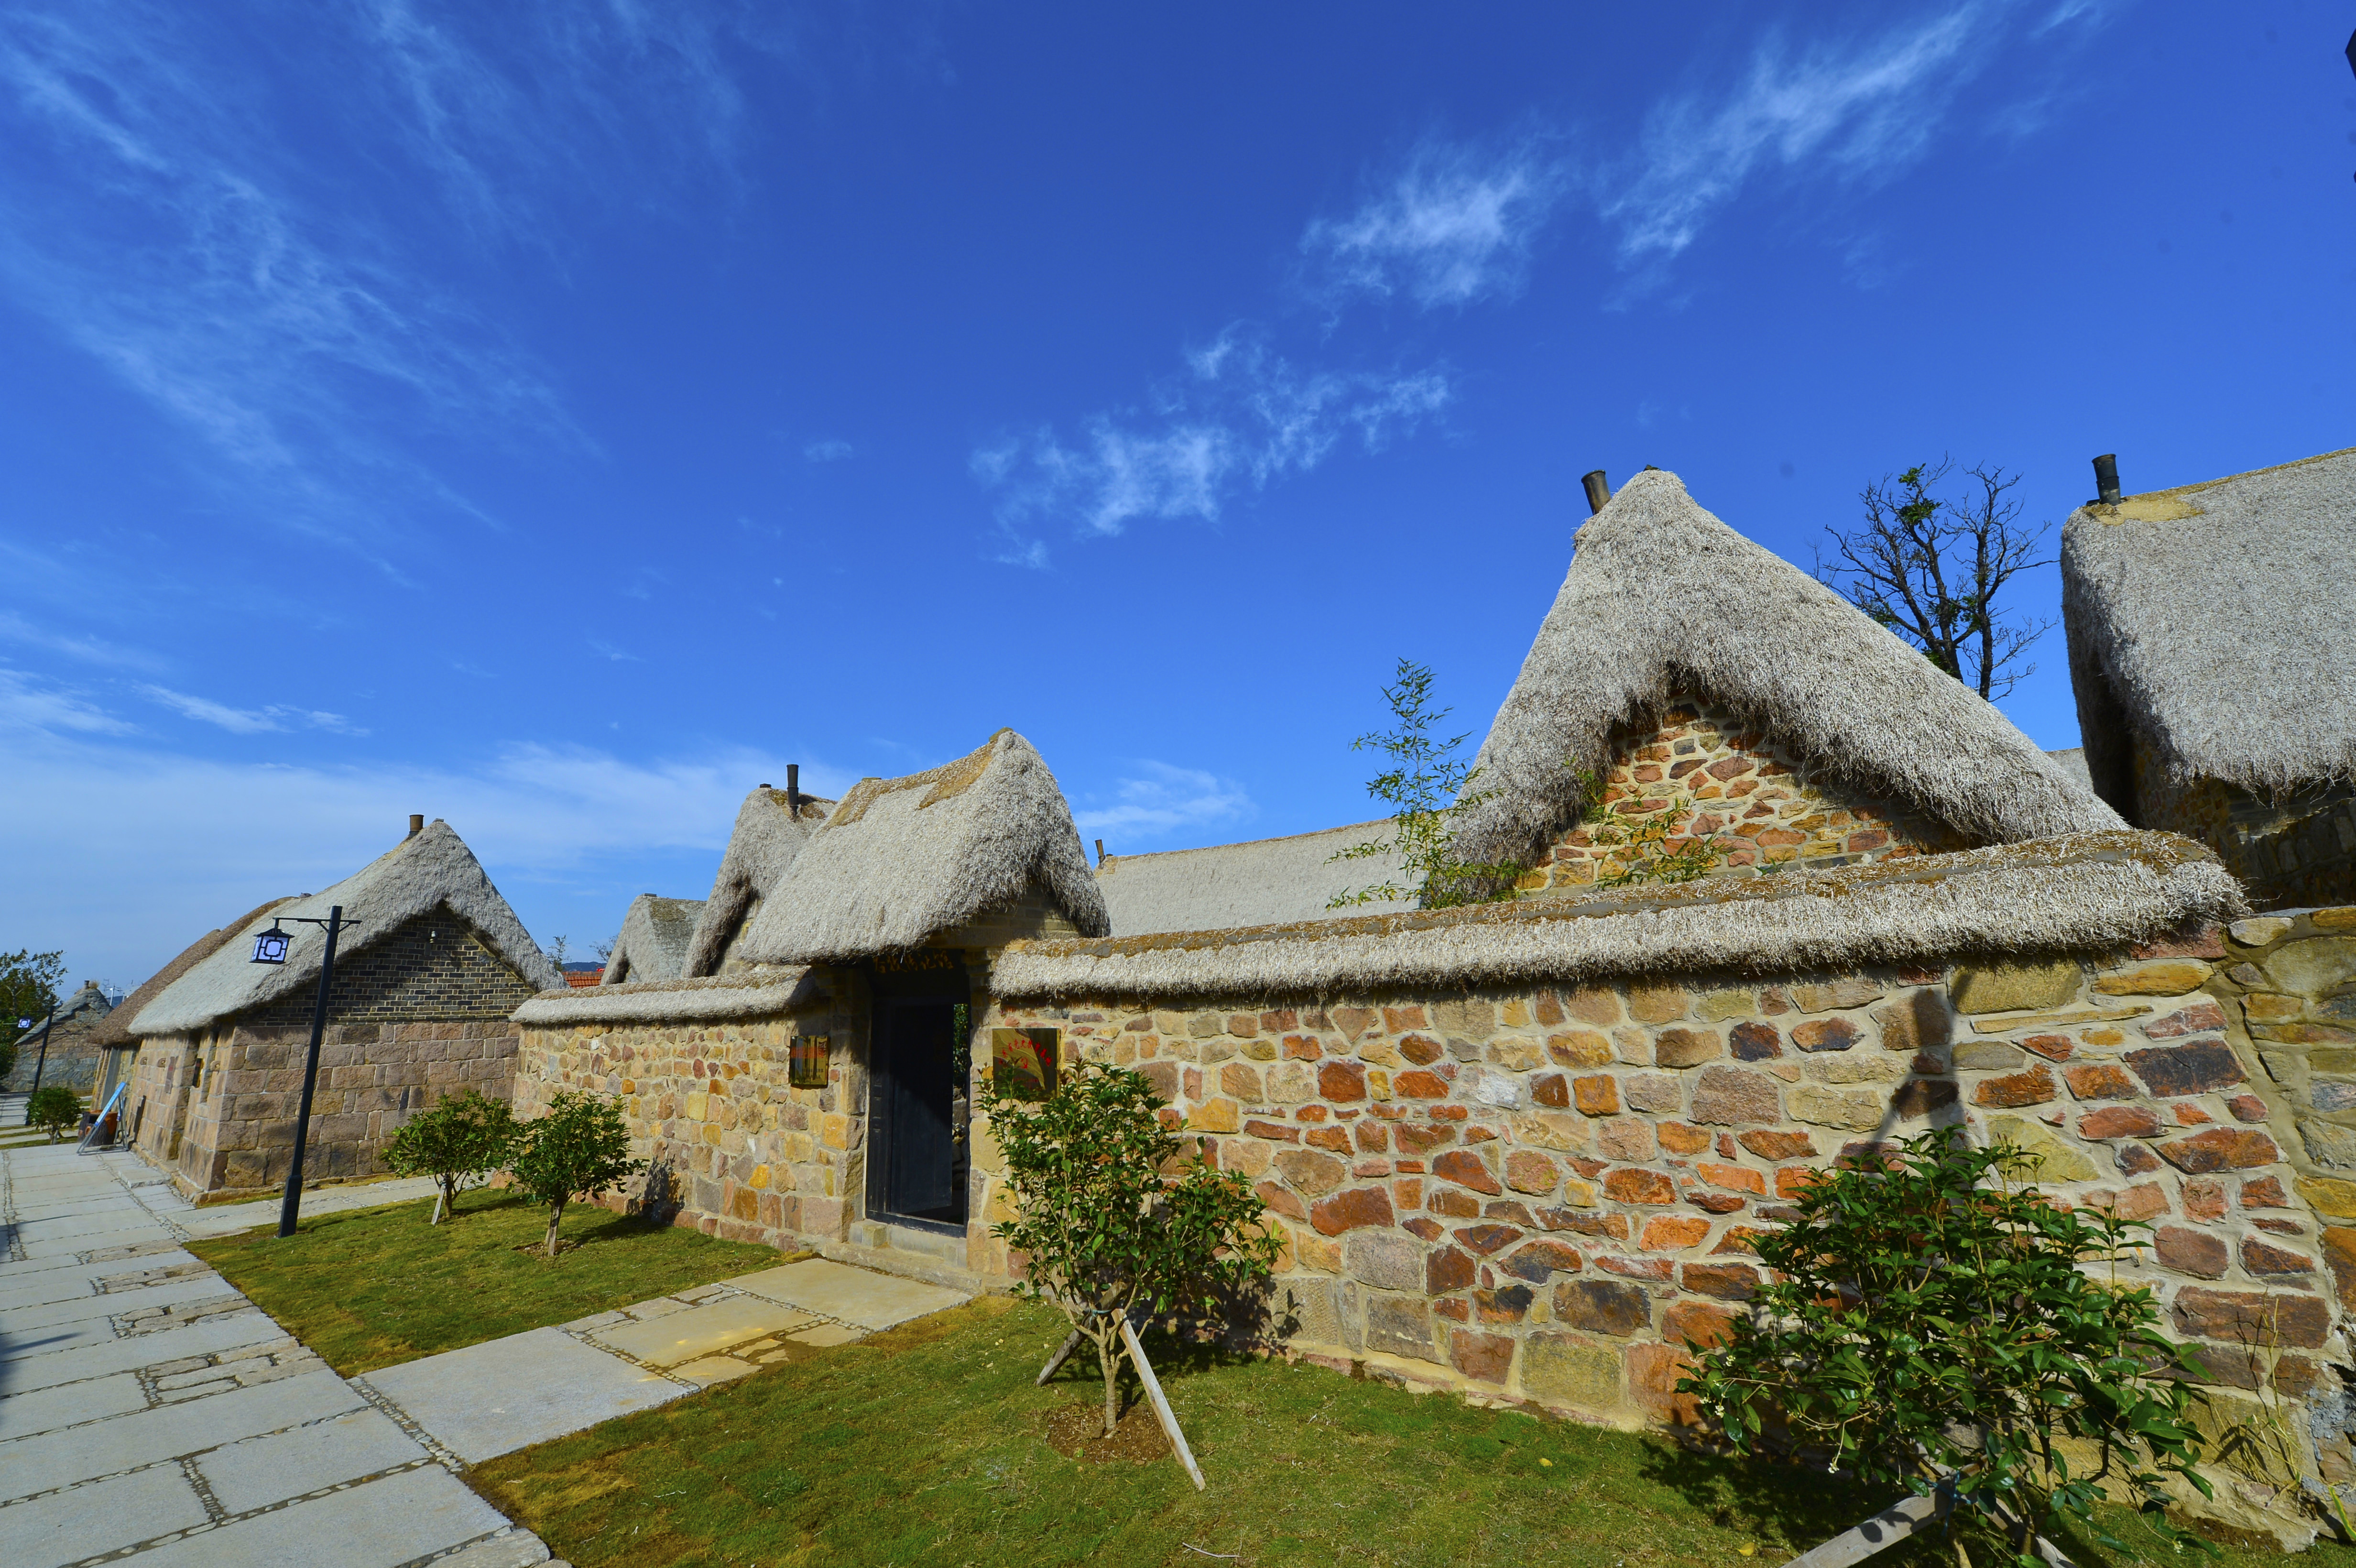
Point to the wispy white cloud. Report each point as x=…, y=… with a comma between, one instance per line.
x=1858, y=109
x=1455, y=224
x=248, y=721
x=1160, y=798
x=29, y=704
x=88, y=649
x=607, y=650
x=826, y=452
x=1240, y=416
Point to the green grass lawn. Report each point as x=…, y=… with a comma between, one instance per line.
x=374, y=1286
x=926, y=1445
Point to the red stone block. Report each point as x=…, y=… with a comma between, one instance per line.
x=2258, y=1257
x=1660, y=1269
x=2134, y=1160
x=1699, y=1324
x=1418, y=1084
x=1343, y=1081
x=1506, y=1304
x=1825, y=1034
x=1653, y=1374
x=2119, y=1122
x=2189, y=1116
x=2204, y=1200
x=2034, y=1087
x=1741, y=1239
x=2195, y=1253
x=2264, y=1192
x=1486, y=1239
x=1727, y=1282
x=1453, y=1202
x=1446, y=1270
x=1466, y=1169
x=1527, y=1171
x=1679, y=1139
x=1602, y=1307
x=2202, y=1016
x=1422, y=1050
x=1674, y=1232
x=2221, y=1148
x=2100, y=1081
x=1632, y=1186
x=2052, y=1047
x=1755, y=1041
x=1595, y=1096
x=2247, y=1108
x=1336, y=1139
x=1793, y=1179
x=1778, y=1146
x=2250, y=1319
x=1275, y=1131
x=1349, y=1210
x=2140, y=1202
x=2339, y=1252
x=2199, y=1067
x=1484, y=1358
x=1542, y=1259
x=1734, y=1177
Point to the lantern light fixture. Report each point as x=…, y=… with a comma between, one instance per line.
x=270, y=947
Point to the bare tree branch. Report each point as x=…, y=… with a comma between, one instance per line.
x=1898, y=567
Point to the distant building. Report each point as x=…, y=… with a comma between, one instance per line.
x=654, y=939
x=424, y=984
x=72, y=1057
x=2213, y=648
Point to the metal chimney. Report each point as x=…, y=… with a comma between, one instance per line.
x=416, y=823
x=1598, y=491
x=793, y=789
x=2107, y=479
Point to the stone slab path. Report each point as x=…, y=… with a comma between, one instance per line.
x=150, y=1413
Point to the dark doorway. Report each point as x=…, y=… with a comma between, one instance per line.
x=917, y=1144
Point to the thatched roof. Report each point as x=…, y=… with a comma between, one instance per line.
x=2083, y=892
x=1268, y=881
x=116, y=1029
x=431, y=870
x=2212, y=621
x=760, y=851
x=653, y=942
x=1665, y=600
x=759, y=994
x=903, y=859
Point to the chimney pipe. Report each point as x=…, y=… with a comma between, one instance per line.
x=793, y=789
x=1598, y=492
x=416, y=823
x=1100, y=855
x=2107, y=479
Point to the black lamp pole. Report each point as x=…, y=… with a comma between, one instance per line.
x=289, y=1209
x=42, y=1060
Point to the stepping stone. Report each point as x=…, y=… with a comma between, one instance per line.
x=103, y=1516
x=382, y=1524
x=264, y=1470
x=504, y=1394
x=712, y=1370
x=849, y=1295
x=828, y=1334
x=678, y=1337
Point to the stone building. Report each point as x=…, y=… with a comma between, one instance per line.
x=1785, y=897
x=112, y=1036
x=425, y=980
x=70, y=1055
x=2213, y=652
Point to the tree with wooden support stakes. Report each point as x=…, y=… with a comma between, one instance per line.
x=1930, y=1324
x=1116, y=1220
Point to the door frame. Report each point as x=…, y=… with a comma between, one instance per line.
x=916, y=976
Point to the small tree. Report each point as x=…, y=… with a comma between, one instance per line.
x=457, y=1142
x=28, y=989
x=579, y=1148
x=1925, y=1328
x=1930, y=568
x=55, y=1107
x=1111, y=1219
x=1427, y=786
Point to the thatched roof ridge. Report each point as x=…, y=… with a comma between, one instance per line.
x=761, y=850
x=903, y=859
x=116, y=1029
x=654, y=939
x=2212, y=622
x=1664, y=599
x=431, y=870
x=751, y=995
x=2083, y=892
x=1264, y=881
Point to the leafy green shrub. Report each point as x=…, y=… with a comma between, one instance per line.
x=1112, y=1218
x=54, y=1107
x=1929, y=1321
x=579, y=1148
x=457, y=1143
x=1427, y=786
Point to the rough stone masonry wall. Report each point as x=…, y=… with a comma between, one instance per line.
x=1727, y=785
x=1544, y=1194
x=2300, y=851
x=738, y=1150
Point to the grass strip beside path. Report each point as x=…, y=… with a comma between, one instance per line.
x=926, y=1445
x=375, y=1286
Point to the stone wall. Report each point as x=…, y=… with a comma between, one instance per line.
x=431, y=968
x=1544, y=1194
x=736, y=1148
x=1724, y=785
x=2296, y=851
x=217, y=1110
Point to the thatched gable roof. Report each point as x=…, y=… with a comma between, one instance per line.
x=116, y=1029
x=1664, y=599
x=760, y=994
x=903, y=859
x=761, y=850
x=2213, y=622
x=2073, y=895
x=1267, y=882
x=430, y=869
x=654, y=939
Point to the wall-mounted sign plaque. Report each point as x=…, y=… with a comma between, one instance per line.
x=1023, y=1062
x=809, y=1068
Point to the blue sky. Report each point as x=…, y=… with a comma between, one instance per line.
x=557, y=417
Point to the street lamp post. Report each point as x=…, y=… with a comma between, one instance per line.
x=270, y=947
x=40, y=1062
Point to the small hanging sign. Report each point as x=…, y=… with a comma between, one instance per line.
x=1023, y=1062
x=809, y=1062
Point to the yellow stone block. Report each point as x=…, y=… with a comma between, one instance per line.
x=760, y=1181
x=2167, y=977
x=1214, y=1116
x=1379, y=1084
x=2330, y=1195
x=834, y=1131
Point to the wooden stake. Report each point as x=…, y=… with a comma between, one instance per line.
x=1160, y=1405
x=1071, y=1343
x=1888, y=1528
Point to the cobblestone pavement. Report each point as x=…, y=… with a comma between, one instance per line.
x=150, y=1413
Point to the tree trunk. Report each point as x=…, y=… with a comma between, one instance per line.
x=555, y=1218
x=446, y=1201
x=1110, y=1361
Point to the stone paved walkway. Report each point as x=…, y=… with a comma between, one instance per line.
x=149, y=1412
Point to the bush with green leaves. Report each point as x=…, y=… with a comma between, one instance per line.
x=1117, y=1215
x=580, y=1147
x=1929, y=1321
x=55, y=1107
x=1427, y=786
x=458, y=1143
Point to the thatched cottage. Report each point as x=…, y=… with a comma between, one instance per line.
x=654, y=939
x=2213, y=652
x=1783, y=897
x=66, y=1051
x=424, y=982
